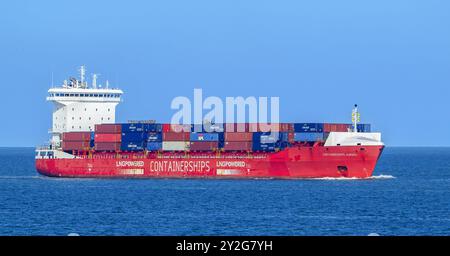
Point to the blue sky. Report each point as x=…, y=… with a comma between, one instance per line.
x=319, y=57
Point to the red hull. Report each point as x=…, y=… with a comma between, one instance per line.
x=296, y=162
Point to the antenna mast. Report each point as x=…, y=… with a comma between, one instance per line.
x=82, y=74
x=94, y=81
x=355, y=118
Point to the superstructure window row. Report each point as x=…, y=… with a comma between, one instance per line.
x=98, y=95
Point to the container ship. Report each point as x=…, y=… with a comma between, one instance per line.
x=86, y=142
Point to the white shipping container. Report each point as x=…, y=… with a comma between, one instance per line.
x=175, y=145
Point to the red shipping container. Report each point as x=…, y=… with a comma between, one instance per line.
x=204, y=145
x=176, y=128
x=166, y=127
x=75, y=145
x=286, y=127
x=76, y=136
x=236, y=127
x=336, y=127
x=275, y=127
x=108, y=128
x=237, y=146
x=105, y=137
x=238, y=136
x=176, y=136
x=107, y=146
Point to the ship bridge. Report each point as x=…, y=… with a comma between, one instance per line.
x=79, y=107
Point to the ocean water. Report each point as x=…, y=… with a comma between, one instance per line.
x=409, y=195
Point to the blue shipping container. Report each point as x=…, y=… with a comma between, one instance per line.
x=257, y=146
x=284, y=136
x=221, y=136
x=363, y=127
x=204, y=137
x=154, y=146
x=133, y=128
x=308, y=136
x=132, y=146
x=207, y=128
x=266, y=137
x=153, y=127
x=308, y=127
x=154, y=137
x=134, y=136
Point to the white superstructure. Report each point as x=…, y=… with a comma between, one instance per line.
x=79, y=107
x=354, y=138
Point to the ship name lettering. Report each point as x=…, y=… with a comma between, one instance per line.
x=230, y=164
x=130, y=164
x=180, y=166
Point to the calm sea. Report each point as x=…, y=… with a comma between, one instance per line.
x=409, y=195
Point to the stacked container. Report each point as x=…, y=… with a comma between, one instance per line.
x=175, y=137
x=308, y=132
x=154, y=141
x=176, y=128
x=328, y=127
x=238, y=141
x=78, y=141
x=134, y=136
x=108, y=137
x=204, y=141
x=266, y=141
x=209, y=137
